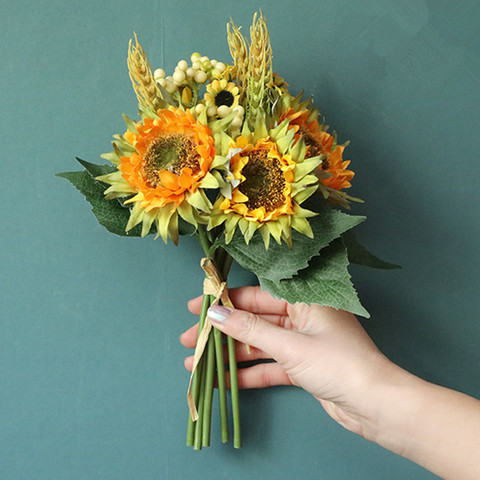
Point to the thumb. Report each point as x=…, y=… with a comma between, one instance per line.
x=253, y=330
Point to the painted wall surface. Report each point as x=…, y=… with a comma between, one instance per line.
x=91, y=370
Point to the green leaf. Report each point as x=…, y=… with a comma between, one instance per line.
x=184, y=228
x=326, y=282
x=281, y=262
x=360, y=255
x=110, y=213
x=96, y=170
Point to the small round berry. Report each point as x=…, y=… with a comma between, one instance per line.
x=223, y=111
x=239, y=110
x=216, y=73
x=158, y=74
x=200, y=77
x=237, y=122
x=171, y=87
x=179, y=77
x=211, y=111
x=182, y=65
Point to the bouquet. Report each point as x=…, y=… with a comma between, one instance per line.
x=224, y=152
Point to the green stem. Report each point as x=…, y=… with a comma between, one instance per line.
x=222, y=389
x=209, y=377
x=232, y=362
x=197, y=444
x=204, y=241
x=196, y=380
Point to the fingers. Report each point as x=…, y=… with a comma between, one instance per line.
x=254, y=330
x=189, y=338
x=257, y=376
x=243, y=353
x=252, y=299
x=262, y=375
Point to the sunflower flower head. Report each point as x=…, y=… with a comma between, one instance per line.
x=221, y=97
x=164, y=166
x=333, y=172
x=272, y=178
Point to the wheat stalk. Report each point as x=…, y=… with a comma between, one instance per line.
x=142, y=78
x=259, y=70
x=239, y=51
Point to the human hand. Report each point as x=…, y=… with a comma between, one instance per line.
x=323, y=350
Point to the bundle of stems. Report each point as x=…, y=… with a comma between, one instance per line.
x=212, y=366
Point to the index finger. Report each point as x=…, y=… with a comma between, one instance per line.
x=251, y=299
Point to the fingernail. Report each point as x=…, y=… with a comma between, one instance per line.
x=218, y=313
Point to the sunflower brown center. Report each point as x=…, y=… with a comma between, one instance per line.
x=224, y=98
x=314, y=147
x=264, y=182
x=172, y=152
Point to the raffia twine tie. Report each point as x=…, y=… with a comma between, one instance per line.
x=212, y=285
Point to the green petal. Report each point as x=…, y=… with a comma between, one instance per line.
x=252, y=228
x=162, y=221
x=301, y=225
x=284, y=143
x=199, y=200
x=148, y=219
x=122, y=144
x=231, y=222
x=136, y=216
x=305, y=193
x=307, y=166
x=209, y=181
x=112, y=157
x=298, y=151
x=265, y=232
x=202, y=118
x=275, y=230
x=185, y=210
x=173, y=228
x=131, y=125
x=222, y=124
x=260, y=129
x=280, y=131
x=215, y=221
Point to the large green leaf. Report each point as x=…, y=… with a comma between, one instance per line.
x=281, y=262
x=326, y=281
x=110, y=213
x=360, y=255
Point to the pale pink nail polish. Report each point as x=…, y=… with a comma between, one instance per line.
x=218, y=313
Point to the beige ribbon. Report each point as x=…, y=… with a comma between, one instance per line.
x=212, y=285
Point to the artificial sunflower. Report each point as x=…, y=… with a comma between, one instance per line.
x=319, y=142
x=222, y=95
x=272, y=178
x=164, y=162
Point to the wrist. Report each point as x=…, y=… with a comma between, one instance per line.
x=391, y=407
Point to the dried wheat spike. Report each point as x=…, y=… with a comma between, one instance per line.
x=259, y=68
x=239, y=51
x=141, y=75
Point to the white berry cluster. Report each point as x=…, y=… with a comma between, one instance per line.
x=195, y=75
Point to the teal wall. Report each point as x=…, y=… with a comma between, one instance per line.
x=91, y=370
